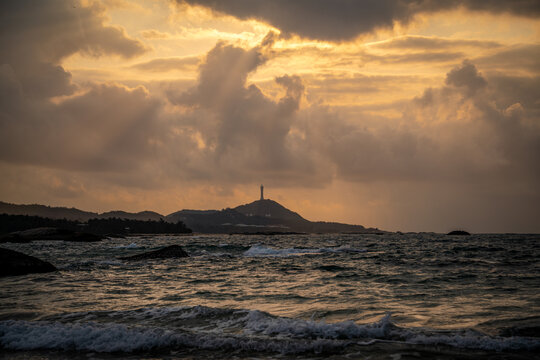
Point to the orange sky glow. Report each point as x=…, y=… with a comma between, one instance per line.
x=422, y=118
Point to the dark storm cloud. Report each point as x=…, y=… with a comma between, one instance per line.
x=340, y=20
x=52, y=30
x=36, y=35
x=104, y=127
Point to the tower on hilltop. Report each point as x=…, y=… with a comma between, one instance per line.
x=262, y=189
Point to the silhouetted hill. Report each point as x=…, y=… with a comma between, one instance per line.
x=268, y=208
x=73, y=213
x=261, y=216
x=46, y=211
x=14, y=223
x=220, y=221
x=143, y=215
x=258, y=217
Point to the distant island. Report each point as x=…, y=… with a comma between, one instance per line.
x=258, y=217
x=261, y=216
x=29, y=227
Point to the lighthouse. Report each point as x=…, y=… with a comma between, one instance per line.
x=262, y=189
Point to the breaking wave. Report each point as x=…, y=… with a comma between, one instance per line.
x=208, y=328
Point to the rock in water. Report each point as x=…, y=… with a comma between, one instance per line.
x=173, y=251
x=16, y=263
x=458, y=232
x=49, y=233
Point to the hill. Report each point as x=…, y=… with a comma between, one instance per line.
x=268, y=208
x=261, y=216
x=142, y=216
x=46, y=211
x=17, y=223
x=73, y=213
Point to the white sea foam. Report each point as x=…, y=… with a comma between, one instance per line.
x=256, y=331
x=260, y=250
x=23, y=335
x=344, y=248
x=261, y=323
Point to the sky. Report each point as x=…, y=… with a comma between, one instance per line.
x=404, y=115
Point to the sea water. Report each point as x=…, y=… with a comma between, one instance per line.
x=353, y=296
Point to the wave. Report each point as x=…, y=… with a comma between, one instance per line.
x=261, y=250
x=208, y=328
x=130, y=246
x=23, y=335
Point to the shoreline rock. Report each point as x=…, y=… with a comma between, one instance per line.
x=458, y=232
x=49, y=233
x=169, y=252
x=16, y=263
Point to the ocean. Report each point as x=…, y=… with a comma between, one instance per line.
x=338, y=296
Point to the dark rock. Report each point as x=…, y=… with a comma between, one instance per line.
x=458, y=232
x=16, y=263
x=268, y=233
x=14, y=238
x=173, y=251
x=49, y=233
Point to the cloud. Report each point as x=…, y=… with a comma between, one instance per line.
x=522, y=57
x=421, y=57
x=355, y=84
x=432, y=43
x=346, y=19
x=107, y=128
x=36, y=36
x=245, y=134
x=466, y=77
x=454, y=133
x=508, y=90
x=53, y=30
x=226, y=129
x=96, y=127
x=154, y=34
x=168, y=64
